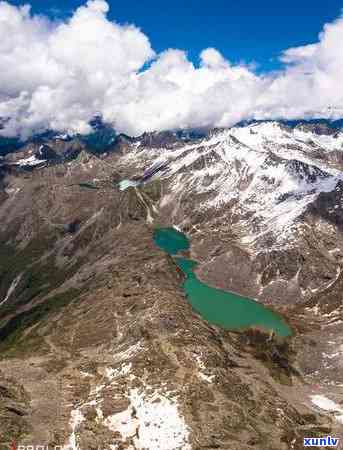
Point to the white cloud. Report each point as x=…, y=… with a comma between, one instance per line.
x=311, y=82
x=59, y=74
x=210, y=57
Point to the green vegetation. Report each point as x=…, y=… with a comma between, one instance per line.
x=87, y=186
x=152, y=189
x=40, y=276
x=273, y=351
x=17, y=337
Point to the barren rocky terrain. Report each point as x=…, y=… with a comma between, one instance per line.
x=100, y=349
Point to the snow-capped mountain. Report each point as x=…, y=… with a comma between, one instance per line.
x=267, y=174
x=101, y=137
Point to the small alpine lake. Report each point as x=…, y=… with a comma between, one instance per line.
x=225, y=309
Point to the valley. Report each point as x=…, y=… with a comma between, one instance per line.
x=100, y=348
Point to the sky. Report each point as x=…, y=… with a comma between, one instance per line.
x=250, y=31
x=148, y=67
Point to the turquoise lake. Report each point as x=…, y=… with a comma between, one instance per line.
x=218, y=307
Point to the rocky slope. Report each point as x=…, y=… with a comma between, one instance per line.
x=99, y=347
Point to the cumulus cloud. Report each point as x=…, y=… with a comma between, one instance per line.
x=59, y=74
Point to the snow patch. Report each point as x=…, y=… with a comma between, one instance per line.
x=161, y=427
x=30, y=161
x=115, y=373
x=85, y=374
x=97, y=390
x=123, y=423
x=12, y=288
x=202, y=370
x=152, y=420
x=76, y=419
x=128, y=353
x=328, y=405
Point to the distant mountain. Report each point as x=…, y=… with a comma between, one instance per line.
x=338, y=124
x=103, y=136
x=100, y=139
x=9, y=145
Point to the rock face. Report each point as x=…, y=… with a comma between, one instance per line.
x=99, y=347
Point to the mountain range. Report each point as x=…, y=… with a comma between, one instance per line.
x=100, y=348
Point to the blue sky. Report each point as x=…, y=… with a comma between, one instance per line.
x=242, y=31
